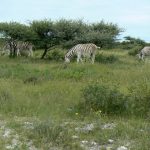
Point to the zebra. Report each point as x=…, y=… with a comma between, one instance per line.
x=82, y=50
x=144, y=52
x=24, y=48
x=5, y=49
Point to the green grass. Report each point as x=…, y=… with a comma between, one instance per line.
x=43, y=92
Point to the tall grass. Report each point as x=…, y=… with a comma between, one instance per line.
x=50, y=90
x=32, y=88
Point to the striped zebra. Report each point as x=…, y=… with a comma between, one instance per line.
x=5, y=49
x=24, y=49
x=82, y=50
x=144, y=52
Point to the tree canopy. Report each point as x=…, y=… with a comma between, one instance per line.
x=45, y=34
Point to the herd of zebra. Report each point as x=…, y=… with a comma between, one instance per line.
x=80, y=50
x=89, y=51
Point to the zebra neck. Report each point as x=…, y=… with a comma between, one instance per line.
x=70, y=53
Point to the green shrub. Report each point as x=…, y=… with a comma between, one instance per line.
x=105, y=99
x=111, y=101
x=56, y=55
x=135, y=50
x=106, y=59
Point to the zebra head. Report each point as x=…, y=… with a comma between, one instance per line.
x=139, y=56
x=67, y=60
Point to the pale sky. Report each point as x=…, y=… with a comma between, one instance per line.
x=132, y=15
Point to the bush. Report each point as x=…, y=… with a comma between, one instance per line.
x=134, y=51
x=106, y=59
x=110, y=101
x=56, y=55
x=103, y=98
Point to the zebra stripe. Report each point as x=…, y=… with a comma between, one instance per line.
x=22, y=48
x=82, y=50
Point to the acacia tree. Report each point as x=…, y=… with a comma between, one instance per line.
x=46, y=34
x=102, y=34
x=13, y=32
x=70, y=31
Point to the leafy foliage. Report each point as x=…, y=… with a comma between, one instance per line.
x=132, y=44
x=45, y=34
x=70, y=31
x=13, y=32
x=56, y=55
x=106, y=59
x=134, y=50
x=102, y=98
x=101, y=33
x=110, y=101
x=134, y=40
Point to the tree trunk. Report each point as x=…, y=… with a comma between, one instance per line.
x=11, y=53
x=14, y=52
x=14, y=49
x=11, y=49
x=45, y=52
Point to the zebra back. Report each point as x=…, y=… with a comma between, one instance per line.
x=82, y=48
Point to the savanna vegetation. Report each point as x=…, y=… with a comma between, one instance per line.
x=47, y=104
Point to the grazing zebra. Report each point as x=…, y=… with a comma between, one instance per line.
x=144, y=52
x=82, y=50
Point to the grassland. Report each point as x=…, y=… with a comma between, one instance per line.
x=36, y=97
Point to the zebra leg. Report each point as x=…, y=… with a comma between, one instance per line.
x=18, y=52
x=142, y=57
x=79, y=58
x=93, y=58
x=31, y=53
